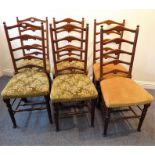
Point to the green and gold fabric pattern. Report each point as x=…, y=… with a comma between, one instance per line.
x=30, y=83
x=72, y=87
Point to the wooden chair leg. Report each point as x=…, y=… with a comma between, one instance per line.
x=47, y=99
x=98, y=105
x=56, y=115
x=106, y=120
x=142, y=116
x=7, y=101
x=92, y=112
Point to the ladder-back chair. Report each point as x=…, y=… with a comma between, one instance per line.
x=30, y=82
x=96, y=51
x=109, y=35
x=60, y=30
x=121, y=93
x=35, y=21
x=74, y=88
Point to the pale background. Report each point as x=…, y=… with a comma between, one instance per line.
x=144, y=64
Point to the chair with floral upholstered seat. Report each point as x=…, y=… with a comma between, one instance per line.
x=96, y=52
x=34, y=21
x=71, y=85
x=121, y=93
x=57, y=24
x=29, y=83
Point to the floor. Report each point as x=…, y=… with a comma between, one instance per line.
x=34, y=129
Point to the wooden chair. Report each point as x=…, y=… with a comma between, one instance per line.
x=62, y=31
x=110, y=35
x=121, y=92
x=70, y=87
x=30, y=82
x=96, y=54
x=34, y=21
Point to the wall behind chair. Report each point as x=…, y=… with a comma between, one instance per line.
x=144, y=64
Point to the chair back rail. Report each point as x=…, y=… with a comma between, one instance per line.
x=70, y=49
x=40, y=47
x=105, y=51
x=34, y=20
x=110, y=32
x=69, y=25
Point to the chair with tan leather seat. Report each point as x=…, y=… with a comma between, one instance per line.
x=27, y=82
x=121, y=93
x=96, y=51
x=60, y=30
x=34, y=21
x=71, y=85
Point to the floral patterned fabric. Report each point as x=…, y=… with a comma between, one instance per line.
x=34, y=62
x=27, y=84
x=108, y=68
x=66, y=64
x=72, y=87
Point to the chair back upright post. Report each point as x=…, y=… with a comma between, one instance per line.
x=121, y=36
x=134, y=50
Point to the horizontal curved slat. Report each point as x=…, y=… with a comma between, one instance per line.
x=109, y=22
x=116, y=62
x=28, y=47
x=30, y=66
x=25, y=26
x=30, y=29
x=26, y=37
x=29, y=57
x=32, y=19
x=117, y=51
x=105, y=49
x=36, y=53
x=69, y=48
x=69, y=27
x=115, y=71
x=117, y=41
x=105, y=40
x=70, y=59
x=68, y=20
x=107, y=56
x=69, y=39
x=71, y=68
x=69, y=54
x=110, y=32
x=63, y=30
x=118, y=28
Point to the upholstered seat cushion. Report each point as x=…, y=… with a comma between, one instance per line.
x=27, y=84
x=120, y=91
x=36, y=62
x=72, y=87
x=66, y=64
x=107, y=68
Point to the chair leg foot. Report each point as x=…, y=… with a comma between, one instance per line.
x=106, y=121
x=92, y=112
x=7, y=101
x=56, y=115
x=47, y=99
x=142, y=117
